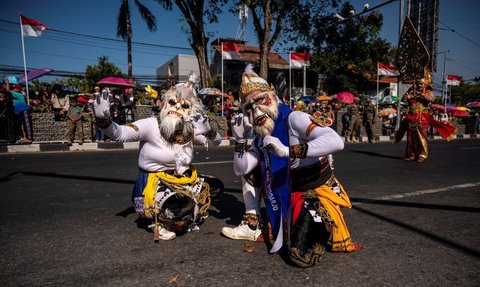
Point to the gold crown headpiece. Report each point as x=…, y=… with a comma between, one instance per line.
x=252, y=82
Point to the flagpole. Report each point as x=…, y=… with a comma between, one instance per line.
x=290, y=79
x=304, y=80
x=24, y=62
x=377, y=96
x=221, y=108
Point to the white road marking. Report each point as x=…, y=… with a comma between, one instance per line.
x=420, y=192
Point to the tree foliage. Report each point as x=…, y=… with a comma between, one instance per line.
x=103, y=69
x=346, y=52
x=124, y=26
x=465, y=93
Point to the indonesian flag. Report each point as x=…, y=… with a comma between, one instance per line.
x=453, y=80
x=31, y=27
x=230, y=51
x=386, y=70
x=299, y=60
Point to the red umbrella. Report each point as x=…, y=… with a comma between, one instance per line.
x=438, y=107
x=345, y=97
x=473, y=105
x=460, y=113
x=116, y=82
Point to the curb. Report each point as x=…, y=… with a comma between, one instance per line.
x=64, y=147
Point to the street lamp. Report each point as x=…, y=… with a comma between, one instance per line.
x=444, y=77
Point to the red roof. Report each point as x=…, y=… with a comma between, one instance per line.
x=252, y=54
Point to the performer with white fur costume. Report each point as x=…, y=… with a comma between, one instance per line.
x=288, y=165
x=168, y=188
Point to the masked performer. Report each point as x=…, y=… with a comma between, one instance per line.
x=168, y=189
x=417, y=120
x=288, y=164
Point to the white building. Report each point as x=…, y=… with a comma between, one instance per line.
x=177, y=69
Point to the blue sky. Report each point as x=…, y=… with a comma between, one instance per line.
x=98, y=18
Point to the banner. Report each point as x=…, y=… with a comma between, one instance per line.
x=31, y=27
x=386, y=70
x=230, y=51
x=453, y=80
x=299, y=60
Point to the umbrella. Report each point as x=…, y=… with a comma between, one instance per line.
x=210, y=91
x=389, y=100
x=324, y=98
x=463, y=109
x=473, y=105
x=34, y=74
x=345, y=97
x=116, y=82
x=308, y=99
x=460, y=113
x=437, y=107
x=386, y=112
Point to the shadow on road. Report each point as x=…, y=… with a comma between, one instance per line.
x=57, y=175
x=429, y=235
x=371, y=153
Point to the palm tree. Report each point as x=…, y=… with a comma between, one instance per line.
x=124, y=26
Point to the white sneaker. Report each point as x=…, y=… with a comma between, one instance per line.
x=164, y=234
x=242, y=232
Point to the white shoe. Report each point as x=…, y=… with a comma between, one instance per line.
x=242, y=232
x=164, y=234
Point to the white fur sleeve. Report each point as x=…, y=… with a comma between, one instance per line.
x=245, y=162
x=321, y=141
x=138, y=130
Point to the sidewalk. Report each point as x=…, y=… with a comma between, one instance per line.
x=64, y=147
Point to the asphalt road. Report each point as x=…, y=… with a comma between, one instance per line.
x=66, y=220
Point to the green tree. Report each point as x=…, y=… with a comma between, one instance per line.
x=465, y=93
x=103, y=69
x=124, y=26
x=346, y=53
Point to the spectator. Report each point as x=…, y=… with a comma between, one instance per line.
x=22, y=114
x=369, y=116
x=74, y=121
x=7, y=117
x=60, y=103
x=345, y=124
x=355, y=112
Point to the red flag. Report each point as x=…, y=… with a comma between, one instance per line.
x=386, y=70
x=453, y=80
x=299, y=60
x=31, y=27
x=230, y=50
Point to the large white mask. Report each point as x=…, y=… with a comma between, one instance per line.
x=176, y=107
x=262, y=110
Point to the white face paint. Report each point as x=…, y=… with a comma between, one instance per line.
x=262, y=110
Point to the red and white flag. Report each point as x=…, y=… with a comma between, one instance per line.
x=453, y=80
x=230, y=51
x=299, y=60
x=31, y=27
x=386, y=70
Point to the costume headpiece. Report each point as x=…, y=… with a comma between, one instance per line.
x=427, y=77
x=252, y=82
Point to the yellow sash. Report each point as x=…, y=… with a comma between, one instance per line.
x=152, y=184
x=341, y=241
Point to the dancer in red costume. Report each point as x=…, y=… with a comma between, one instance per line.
x=417, y=120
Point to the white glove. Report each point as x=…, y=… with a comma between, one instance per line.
x=200, y=122
x=101, y=105
x=241, y=127
x=275, y=146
